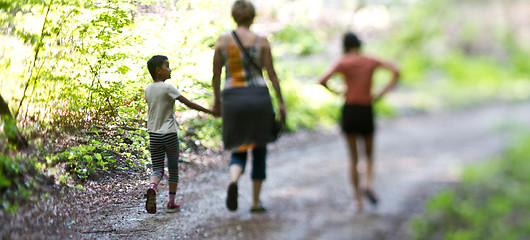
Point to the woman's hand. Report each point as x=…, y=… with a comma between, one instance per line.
x=216, y=110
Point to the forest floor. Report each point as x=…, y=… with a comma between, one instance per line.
x=307, y=193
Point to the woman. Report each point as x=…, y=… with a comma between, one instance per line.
x=245, y=105
x=357, y=113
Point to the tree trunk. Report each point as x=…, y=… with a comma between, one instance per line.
x=10, y=123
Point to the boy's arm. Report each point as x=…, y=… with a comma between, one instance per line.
x=392, y=83
x=193, y=105
x=324, y=79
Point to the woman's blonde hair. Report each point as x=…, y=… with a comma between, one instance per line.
x=243, y=12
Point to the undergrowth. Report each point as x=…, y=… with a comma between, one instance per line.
x=490, y=203
x=16, y=182
x=118, y=150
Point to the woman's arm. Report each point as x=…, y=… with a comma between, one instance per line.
x=216, y=79
x=269, y=66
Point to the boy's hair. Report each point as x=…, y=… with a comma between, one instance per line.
x=243, y=12
x=351, y=41
x=154, y=62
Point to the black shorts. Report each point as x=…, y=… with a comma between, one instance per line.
x=358, y=119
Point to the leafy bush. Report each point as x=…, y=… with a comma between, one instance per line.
x=490, y=203
x=8, y=131
x=85, y=160
x=199, y=134
x=14, y=189
x=70, y=53
x=122, y=149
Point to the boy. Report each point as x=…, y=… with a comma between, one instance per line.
x=162, y=128
x=357, y=114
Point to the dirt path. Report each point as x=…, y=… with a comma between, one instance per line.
x=308, y=193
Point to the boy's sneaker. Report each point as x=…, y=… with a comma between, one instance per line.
x=172, y=207
x=150, y=203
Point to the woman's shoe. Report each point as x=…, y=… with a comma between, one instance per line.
x=231, y=197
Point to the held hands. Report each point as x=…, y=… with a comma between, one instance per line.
x=216, y=110
x=283, y=113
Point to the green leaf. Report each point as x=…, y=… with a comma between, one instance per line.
x=4, y=182
x=123, y=70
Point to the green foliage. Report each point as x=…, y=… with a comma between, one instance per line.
x=8, y=126
x=449, y=59
x=519, y=61
x=490, y=203
x=298, y=41
x=14, y=189
x=307, y=112
x=73, y=49
x=462, y=69
x=85, y=160
x=125, y=149
x=415, y=68
x=87, y=59
x=198, y=134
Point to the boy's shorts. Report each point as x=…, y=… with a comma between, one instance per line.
x=357, y=119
